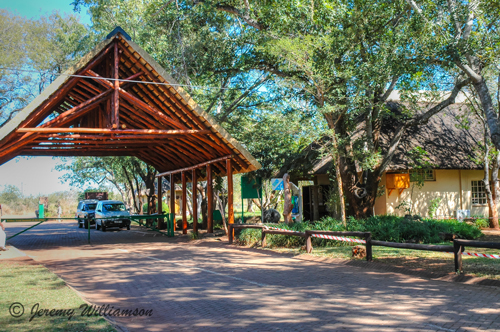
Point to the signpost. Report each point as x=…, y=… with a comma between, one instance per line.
x=251, y=187
x=277, y=184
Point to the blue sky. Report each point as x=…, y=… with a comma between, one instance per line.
x=35, y=175
x=36, y=8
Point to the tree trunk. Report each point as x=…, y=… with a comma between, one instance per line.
x=189, y=203
x=249, y=205
x=491, y=195
x=287, y=210
x=491, y=115
x=340, y=189
x=204, y=206
x=361, y=197
x=495, y=193
x=131, y=187
x=222, y=211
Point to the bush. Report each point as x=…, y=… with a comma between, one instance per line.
x=416, y=230
x=249, y=236
x=482, y=223
x=384, y=228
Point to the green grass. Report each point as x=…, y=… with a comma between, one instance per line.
x=32, y=284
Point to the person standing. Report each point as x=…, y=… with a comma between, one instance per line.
x=59, y=212
x=2, y=236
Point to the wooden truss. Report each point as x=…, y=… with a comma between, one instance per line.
x=102, y=108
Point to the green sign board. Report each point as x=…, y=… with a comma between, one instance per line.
x=251, y=187
x=217, y=215
x=41, y=212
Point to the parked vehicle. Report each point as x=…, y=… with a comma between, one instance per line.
x=111, y=209
x=85, y=212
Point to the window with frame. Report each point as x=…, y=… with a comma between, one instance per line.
x=422, y=174
x=478, y=193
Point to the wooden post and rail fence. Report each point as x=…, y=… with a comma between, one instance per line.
x=457, y=248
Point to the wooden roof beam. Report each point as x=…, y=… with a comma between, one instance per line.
x=112, y=131
x=195, y=166
x=149, y=109
x=124, y=84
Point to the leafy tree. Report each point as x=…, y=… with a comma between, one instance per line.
x=464, y=37
x=33, y=53
x=10, y=194
x=488, y=155
x=345, y=58
x=340, y=59
x=128, y=175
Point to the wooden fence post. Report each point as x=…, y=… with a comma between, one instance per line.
x=368, y=239
x=309, y=247
x=458, y=256
x=263, y=238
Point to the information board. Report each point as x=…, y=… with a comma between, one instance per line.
x=277, y=184
x=251, y=187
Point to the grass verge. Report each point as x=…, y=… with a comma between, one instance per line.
x=32, y=284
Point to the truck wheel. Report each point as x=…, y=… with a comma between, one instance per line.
x=96, y=225
x=103, y=227
x=128, y=227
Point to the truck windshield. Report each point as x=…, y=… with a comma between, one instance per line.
x=114, y=207
x=91, y=206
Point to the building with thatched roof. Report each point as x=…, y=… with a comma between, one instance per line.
x=452, y=174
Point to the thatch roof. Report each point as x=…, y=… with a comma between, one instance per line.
x=449, y=144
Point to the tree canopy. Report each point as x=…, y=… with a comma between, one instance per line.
x=279, y=75
x=33, y=53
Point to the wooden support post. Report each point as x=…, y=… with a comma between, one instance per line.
x=184, y=204
x=172, y=197
x=160, y=203
x=309, y=247
x=116, y=97
x=230, y=235
x=457, y=251
x=230, y=205
x=368, y=239
x=194, y=190
x=210, y=200
x=263, y=238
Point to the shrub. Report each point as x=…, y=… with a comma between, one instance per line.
x=384, y=228
x=249, y=236
x=482, y=223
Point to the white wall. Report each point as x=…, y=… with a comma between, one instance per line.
x=446, y=186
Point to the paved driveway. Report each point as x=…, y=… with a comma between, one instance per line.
x=215, y=287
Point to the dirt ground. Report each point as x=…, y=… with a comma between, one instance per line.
x=442, y=263
x=490, y=235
